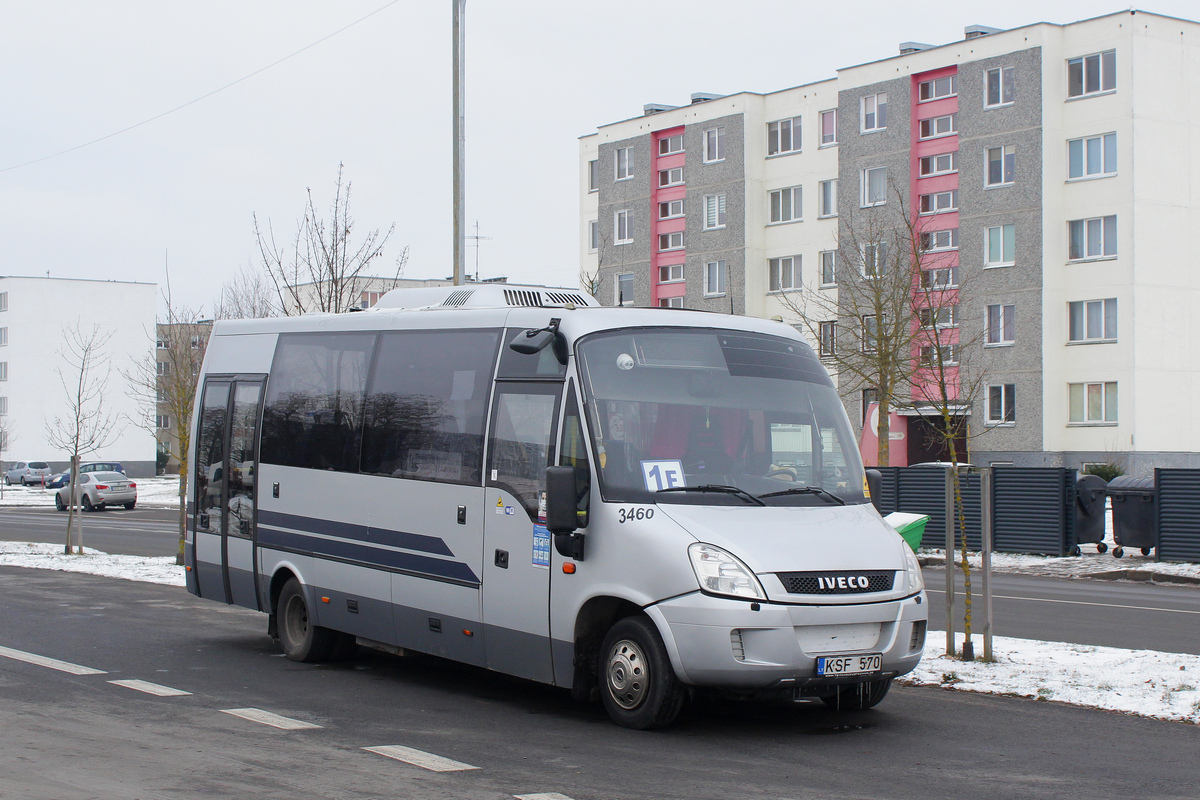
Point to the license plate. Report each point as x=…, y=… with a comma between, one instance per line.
x=849, y=665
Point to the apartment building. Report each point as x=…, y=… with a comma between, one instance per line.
x=36, y=315
x=1053, y=166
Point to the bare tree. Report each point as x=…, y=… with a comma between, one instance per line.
x=165, y=378
x=249, y=294
x=89, y=425
x=323, y=269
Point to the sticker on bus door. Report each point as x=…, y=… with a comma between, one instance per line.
x=661, y=475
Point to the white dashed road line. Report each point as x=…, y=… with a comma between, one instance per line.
x=419, y=758
x=151, y=688
x=267, y=718
x=52, y=663
x=542, y=796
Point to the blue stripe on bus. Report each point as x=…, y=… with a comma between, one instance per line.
x=362, y=533
x=368, y=555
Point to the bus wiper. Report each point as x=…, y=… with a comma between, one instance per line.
x=807, y=490
x=742, y=493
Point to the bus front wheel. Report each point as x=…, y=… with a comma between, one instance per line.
x=637, y=683
x=300, y=638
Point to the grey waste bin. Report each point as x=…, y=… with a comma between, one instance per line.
x=1133, y=508
x=1089, y=512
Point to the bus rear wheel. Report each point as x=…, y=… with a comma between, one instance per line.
x=858, y=696
x=300, y=638
x=637, y=682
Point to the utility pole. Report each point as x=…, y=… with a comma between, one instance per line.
x=460, y=8
x=477, y=239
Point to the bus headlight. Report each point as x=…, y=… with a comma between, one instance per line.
x=720, y=572
x=912, y=569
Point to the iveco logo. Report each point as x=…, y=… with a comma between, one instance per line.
x=843, y=582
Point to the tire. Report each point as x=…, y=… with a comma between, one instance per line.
x=1101, y=548
x=858, y=696
x=637, y=683
x=300, y=639
x=1146, y=551
x=58, y=502
x=1076, y=551
x=23, y=481
x=86, y=502
x=1118, y=551
x=131, y=505
x=7, y=482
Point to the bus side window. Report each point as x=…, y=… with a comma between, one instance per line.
x=574, y=454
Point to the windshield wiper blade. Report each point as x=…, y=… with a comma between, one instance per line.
x=716, y=489
x=807, y=490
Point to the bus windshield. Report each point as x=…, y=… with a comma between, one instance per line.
x=682, y=408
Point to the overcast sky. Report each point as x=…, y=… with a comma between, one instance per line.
x=376, y=97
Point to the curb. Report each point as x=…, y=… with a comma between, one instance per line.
x=1142, y=575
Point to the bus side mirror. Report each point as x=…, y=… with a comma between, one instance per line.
x=875, y=487
x=561, y=519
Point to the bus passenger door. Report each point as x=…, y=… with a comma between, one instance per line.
x=516, y=545
x=210, y=499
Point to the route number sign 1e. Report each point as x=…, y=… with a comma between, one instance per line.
x=660, y=475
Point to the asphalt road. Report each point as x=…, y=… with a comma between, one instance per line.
x=136, y=532
x=68, y=736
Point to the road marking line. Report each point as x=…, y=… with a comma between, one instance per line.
x=419, y=758
x=155, y=689
x=542, y=796
x=958, y=592
x=52, y=663
x=267, y=718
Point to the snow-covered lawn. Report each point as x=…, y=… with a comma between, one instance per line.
x=1144, y=682
x=162, y=492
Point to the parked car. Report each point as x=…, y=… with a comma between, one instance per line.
x=97, y=490
x=63, y=478
x=26, y=472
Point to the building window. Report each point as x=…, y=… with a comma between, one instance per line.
x=623, y=227
x=670, y=302
x=874, y=113
x=624, y=163
x=714, y=145
x=937, y=279
x=1093, y=402
x=945, y=355
x=1092, y=74
x=162, y=344
x=829, y=127
x=1000, y=246
x=3, y=370
x=1094, y=157
x=937, y=88
x=593, y=235
x=1001, y=324
x=786, y=204
x=936, y=318
x=670, y=144
x=939, y=126
x=714, y=211
x=828, y=267
x=670, y=177
x=783, y=273
x=783, y=136
x=160, y=395
x=162, y=421
x=625, y=289
x=1093, y=320
x=593, y=176
x=164, y=369
x=3, y=301
x=939, y=202
x=874, y=259
x=3, y=336
x=670, y=241
x=1002, y=404
x=670, y=209
x=827, y=198
x=826, y=337
x=936, y=241
x=1000, y=88
x=1092, y=238
x=3, y=406
x=870, y=333
x=670, y=273
x=1001, y=165
x=938, y=165
x=714, y=278
x=874, y=187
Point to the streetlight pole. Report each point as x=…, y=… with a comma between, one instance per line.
x=460, y=226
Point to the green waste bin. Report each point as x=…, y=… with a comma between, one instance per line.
x=909, y=526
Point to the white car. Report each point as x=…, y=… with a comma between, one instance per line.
x=27, y=472
x=97, y=490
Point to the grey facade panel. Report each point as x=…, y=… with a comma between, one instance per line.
x=633, y=195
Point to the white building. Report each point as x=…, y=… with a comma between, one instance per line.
x=35, y=313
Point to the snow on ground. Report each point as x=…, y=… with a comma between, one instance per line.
x=161, y=492
x=1143, y=682
x=150, y=569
